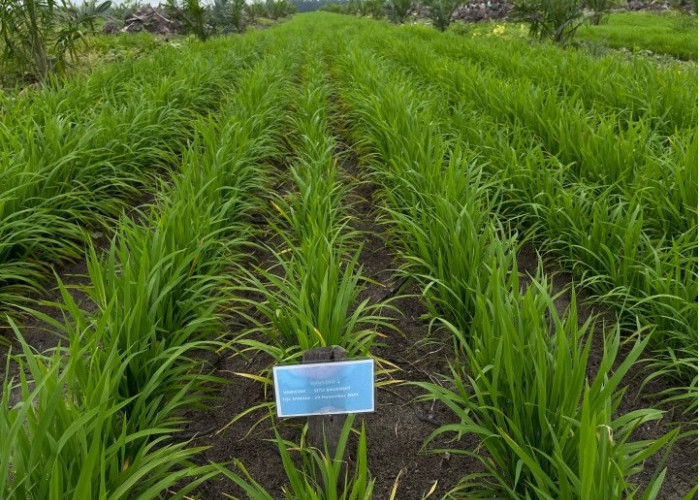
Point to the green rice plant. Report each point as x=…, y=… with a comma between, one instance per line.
x=651, y=283
x=616, y=241
x=65, y=169
x=573, y=135
x=158, y=297
x=522, y=386
x=530, y=453
x=438, y=209
x=310, y=297
x=163, y=276
x=447, y=237
x=156, y=294
x=321, y=474
x=608, y=83
x=70, y=437
x=314, y=302
x=591, y=144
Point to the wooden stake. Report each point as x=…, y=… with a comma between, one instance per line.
x=330, y=425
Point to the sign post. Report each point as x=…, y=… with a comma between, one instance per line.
x=322, y=388
x=330, y=425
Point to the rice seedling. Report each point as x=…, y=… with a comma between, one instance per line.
x=320, y=476
x=311, y=294
x=521, y=385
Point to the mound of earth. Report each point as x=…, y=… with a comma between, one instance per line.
x=483, y=10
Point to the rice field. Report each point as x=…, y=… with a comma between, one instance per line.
x=508, y=228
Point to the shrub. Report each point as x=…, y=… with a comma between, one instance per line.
x=397, y=10
x=276, y=9
x=600, y=9
x=195, y=16
x=39, y=35
x=554, y=19
x=255, y=10
x=373, y=8
x=441, y=12
x=227, y=16
x=334, y=7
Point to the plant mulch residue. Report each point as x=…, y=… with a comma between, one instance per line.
x=485, y=10
x=150, y=19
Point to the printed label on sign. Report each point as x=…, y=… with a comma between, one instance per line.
x=324, y=388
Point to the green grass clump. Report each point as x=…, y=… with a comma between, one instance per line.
x=70, y=437
x=322, y=476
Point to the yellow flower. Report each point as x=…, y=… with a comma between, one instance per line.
x=499, y=29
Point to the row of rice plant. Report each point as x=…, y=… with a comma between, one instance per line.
x=633, y=245
x=71, y=157
x=310, y=292
x=309, y=296
x=621, y=244
x=519, y=375
x=97, y=417
x=639, y=88
x=602, y=148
